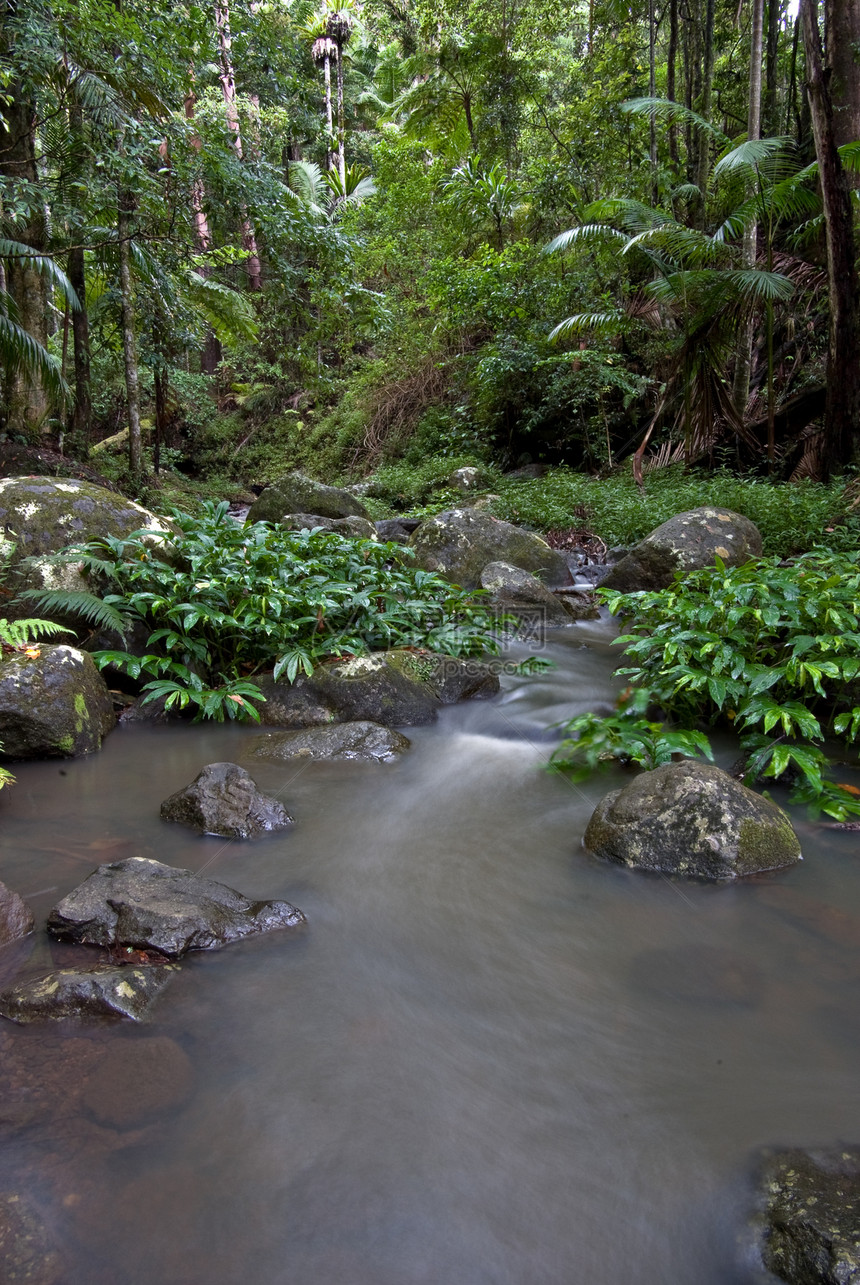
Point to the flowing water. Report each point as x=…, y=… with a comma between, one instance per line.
x=489, y=1060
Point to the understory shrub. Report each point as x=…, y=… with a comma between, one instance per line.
x=224, y=602
x=769, y=648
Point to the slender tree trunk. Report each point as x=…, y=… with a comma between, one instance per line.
x=671, y=71
x=26, y=400
x=81, y=416
x=842, y=410
x=210, y=354
x=743, y=364
x=703, y=157
x=770, y=106
x=341, y=124
x=228, y=89
x=129, y=348
x=652, y=91
x=329, y=120
x=792, y=110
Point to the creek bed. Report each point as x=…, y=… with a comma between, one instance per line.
x=489, y=1060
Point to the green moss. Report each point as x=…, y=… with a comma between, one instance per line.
x=66, y=744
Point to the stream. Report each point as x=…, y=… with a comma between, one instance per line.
x=488, y=1060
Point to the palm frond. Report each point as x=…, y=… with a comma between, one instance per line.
x=754, y=286
x=44, y=265
x=596, y=323
x=227, y=312
x=588, y=233
x=307, y=182
x=750, y=155
x=21, y=353
x=87, y=606
x=674, y=113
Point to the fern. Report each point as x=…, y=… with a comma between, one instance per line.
x=20, y=633
x=88, y=606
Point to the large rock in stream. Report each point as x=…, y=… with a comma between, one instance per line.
x=16, y=917
x=809, y=1216
x=686, y=542
x=522, y=595
x=53, y=703
x=147, y=905
x=360, y=741
x=224, y=800
x=296, y=493
x=459, y=544
x=693, y=819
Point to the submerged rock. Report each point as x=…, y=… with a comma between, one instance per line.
x=361, y=740
x=104, y=991
x=296, y=493
x=809, y=1216
x=224, y=800
x=685, y=543
x=459, y=544
x=137, y=1080
x=693, y=819
x=53, y=703
x=26, y=1252
x=145, y=904
x=16, y=917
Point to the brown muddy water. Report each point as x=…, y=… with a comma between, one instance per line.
x=489, y=1060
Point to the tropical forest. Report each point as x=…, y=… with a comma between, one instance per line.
x=429, y=491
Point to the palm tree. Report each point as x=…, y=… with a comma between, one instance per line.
x=338, y=29
x=23, y=358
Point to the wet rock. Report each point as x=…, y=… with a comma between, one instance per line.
x=364, y=741
x=459, y=544
x=693, y=819
x=53, y=703
x=455, y=678
x=138, y=1080
x=296, y=704
x=150, y=711
x=685, y=543
x=396, y=529
x=16, y=917
x=224, y=800
x=80, y=993
x=522, y=594
x=356, y=527
x=145, y=904
x=26, y=1253
x=390, y=687
x=809, y=1216
x=296, y=493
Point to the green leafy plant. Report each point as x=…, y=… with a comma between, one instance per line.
x=627, y=736
x=21, y=636
x=224, y=602
x=772, y=648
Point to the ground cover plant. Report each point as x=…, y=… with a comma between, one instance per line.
x=771, y=648
x=223, y=602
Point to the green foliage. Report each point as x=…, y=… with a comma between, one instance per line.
x=593, y=741
x=224, y=602
x=20, y=636
x=771, y=647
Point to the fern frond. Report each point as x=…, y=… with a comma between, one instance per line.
x=18, y=633
x=77, y=602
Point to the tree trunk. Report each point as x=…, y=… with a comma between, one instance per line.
x=129, y=350
x=26, y=400
x=671, y=64
x=743, y=364
x=842, y=36
x=81, y=416
x=228, y=88
x=770, y=106
x=210, y=354
x=341, y=127
x=703, y=156
x=652, y=92
x=842, y=409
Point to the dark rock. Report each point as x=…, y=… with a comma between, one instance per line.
x=528, y=472
x=363, y=741
x=145, y=904
x=16, y=917
x=355, y=527
x=224, y=800
x=137, y=1080
x=79, y=993
x=296, y=704
x=26, y=1253
x=390, y=687
x=397, y=529
x=454, y=678
x=296, y=493
x=150, y=711
x=809, y=1216
x=54, y=703
x=519, y=593
x=459, y=544
x=693, y=819
x=685, y=543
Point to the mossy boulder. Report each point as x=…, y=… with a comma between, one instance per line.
x=54, y=703
x=79, y=993
x=296, y=493
x=691, y=819
x=809, y=1216
x=459, y=544
x=400, y=688
x=521, y=594
x=686, y=542
x=355, y=527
